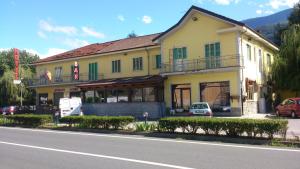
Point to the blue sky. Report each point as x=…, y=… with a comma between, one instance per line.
x=47, y=27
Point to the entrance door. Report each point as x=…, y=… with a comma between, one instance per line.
x=217, y=94
x=57, y=96
x=181, y=96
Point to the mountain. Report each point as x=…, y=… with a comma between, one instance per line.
x=269, y=25
x=279, y=17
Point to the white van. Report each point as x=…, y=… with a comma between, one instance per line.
x=70, y=106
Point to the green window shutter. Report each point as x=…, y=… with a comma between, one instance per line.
x=119, y=65
x=179, y=51
x=218, y=53
x=212, y=49
x=133, y=64
x=72, y=72
x=93, y=71
x=175, y=54
x=206, y=50
x=217, y=48
x=112, y=67
x=141, y=64
x=184, y=53
x=96, y=71
x=158, y=61
x=90, y=72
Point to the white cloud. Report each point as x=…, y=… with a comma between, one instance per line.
x=268, y=12
x=275, y=4
x=46, y=26
x=261, y=6
x=42, y=34
x=226, y=2
x=91, y=32
x=51, y=52
x=75, y=43
x=147, y=19
x=121, y=18
x=259, y=11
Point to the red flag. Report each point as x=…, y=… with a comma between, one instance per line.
x=16, y=59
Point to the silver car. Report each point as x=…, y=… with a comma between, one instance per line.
x=200, y=108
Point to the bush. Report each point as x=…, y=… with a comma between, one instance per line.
x=229, y=126
x=145, y=126
x=29, y=119
x=104, y=122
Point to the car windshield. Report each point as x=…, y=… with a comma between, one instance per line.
x=199, y=106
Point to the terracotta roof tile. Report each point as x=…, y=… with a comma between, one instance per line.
x=106, y=47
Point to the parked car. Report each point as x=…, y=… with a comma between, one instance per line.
x=200, y=108
x=70, y=106
x=289, y=107
x=9, y=110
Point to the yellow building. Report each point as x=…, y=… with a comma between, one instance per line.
x=204, y=57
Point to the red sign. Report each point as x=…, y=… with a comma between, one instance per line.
x=16, y=59
x=76, y=71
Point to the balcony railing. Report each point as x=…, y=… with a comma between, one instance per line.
x=201, y=64
x=63, y=79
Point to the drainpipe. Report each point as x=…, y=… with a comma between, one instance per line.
x=242, y=59
x=148, y=59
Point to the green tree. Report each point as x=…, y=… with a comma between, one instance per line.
x=294, y=18
x=286, y=68
x=132, y=35
x=9, y=92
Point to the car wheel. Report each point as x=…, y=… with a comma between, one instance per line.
x=293, y=114
x=277, y=113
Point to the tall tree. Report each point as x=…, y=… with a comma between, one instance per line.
x=294, y=18
x=9, y=92
x=286, y=68
x=132, y=35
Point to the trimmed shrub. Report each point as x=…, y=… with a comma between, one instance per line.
x=29, y=119
x=103, y=122
x=232, y=127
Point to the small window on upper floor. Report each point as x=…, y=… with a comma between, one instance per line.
x=269, y=59
x=116, y=66
x=58, y=74
x=158, y=61
x=179, y=53
x=137, y=63
x=260, y=61
x=249, y=52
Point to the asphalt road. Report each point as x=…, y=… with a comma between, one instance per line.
x=45, y=149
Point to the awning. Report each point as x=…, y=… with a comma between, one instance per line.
x=138, y=81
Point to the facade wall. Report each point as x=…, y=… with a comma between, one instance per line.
x=195, y=34
x=195, y=79
x=104, y=68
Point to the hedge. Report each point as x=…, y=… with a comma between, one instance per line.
x=103, y=122
x=229, y=126
x=29, y=119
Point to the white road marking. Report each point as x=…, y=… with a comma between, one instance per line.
x=156, y=139
x=97, y=155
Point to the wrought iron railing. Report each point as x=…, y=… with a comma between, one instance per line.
x=63, y=79
x=201, y=64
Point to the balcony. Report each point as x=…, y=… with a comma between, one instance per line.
x=61, y=80
x=201, y=65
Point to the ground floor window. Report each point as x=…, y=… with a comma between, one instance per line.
x=181, y=96
x=43, y=98
x=217, y=94
x=75, y=94
x=147, y=94
x=56, y=97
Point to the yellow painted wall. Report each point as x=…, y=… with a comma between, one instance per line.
x=104, y=66
x=195, y=34
x=196, y=79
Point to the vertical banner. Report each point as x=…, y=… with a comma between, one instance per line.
x=76, y=71
x=16, y=59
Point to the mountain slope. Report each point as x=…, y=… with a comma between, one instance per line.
x=280, y=17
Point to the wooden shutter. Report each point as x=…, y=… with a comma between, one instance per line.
x=184, y=55
x=96, y=71
x=158, y=61
x=175, y=53
x=72, y=72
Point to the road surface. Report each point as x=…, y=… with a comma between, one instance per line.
x=46, y=149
